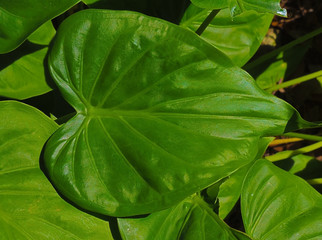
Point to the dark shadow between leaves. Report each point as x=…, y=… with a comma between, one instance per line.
x=48, y=77
x=25, y=49
x=295, y=122
x=234, y=218
x=286, y=164
x=169, y=10
x=312, y=170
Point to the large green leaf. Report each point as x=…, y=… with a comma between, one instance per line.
x=30, y=208
x=22, y=72
x=161, y=113
x=170, y=10
x=278, y=205
x=238, y=6
x=18, y=19
x=238, y=38
x=190, y=219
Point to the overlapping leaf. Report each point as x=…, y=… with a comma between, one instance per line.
x=18, y=19
x=190, y=219
x=230, y=190
x=169, y=10
x=22, y=72
x=161, y=113
x=30, y=208
x=278, y=205
x=239, y=38
x=239, y=6
x=224, y=194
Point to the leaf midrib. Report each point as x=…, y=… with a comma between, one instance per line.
x=108, y=113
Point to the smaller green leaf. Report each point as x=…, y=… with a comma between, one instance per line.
x=43, y=35
x=239, y=6
x=30, y=208
x=229, y=191
x=300, y=163
x=238, y=38
x=189, y=220
x=278, y=205
x=20, y=18
x=294, y=164
x=264, y=6
x=23, y=72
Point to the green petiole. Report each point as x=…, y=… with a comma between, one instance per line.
x=287, y=154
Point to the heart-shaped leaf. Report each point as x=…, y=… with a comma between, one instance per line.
x=22, y=72
x=30, y=208
x=278, y=205
x=239, y=6
x=190, y=219
x=239, y=38
x=161, y=114
x=20, y=18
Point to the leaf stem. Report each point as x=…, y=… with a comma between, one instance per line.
x=303, y=136
x=287, y=154
x=284, y=141
x=315, y=181
x=207, y=21
x=295, y=81
x=274, y=53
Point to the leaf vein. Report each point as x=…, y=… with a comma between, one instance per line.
x=118, y=150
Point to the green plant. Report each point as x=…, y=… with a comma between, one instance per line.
x=166, y=124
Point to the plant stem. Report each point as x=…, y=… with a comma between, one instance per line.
x=284, y=141
x=315, y=181
x=207, y=21
x=295, y=81
x=303, y=136
x=287, y=154
x=274, y=53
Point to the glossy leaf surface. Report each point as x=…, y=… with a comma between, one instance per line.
x=239, y=38
x=18, y=19
x=161, y=114
x=278, y=205
x=229, y=191
x=170, y=10
x=23, y=72
x=238, y=6
x=190, y=219
x=30, y=208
